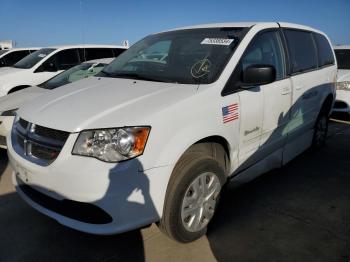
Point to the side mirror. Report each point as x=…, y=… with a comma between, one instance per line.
x=256, y=75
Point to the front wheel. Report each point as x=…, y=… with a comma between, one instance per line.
x=192, y=196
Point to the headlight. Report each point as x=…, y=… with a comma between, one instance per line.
x=11, y=112
x=343, y=85
x=112, y=145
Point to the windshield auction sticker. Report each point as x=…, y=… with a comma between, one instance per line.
x=216, y=41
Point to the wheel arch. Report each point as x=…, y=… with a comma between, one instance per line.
x=214, y=140
x=17, y=88
x=217, y=140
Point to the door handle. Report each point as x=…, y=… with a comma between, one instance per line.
x=298, y=87
x=286, y=90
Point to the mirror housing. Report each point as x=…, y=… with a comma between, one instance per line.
x=256, y=75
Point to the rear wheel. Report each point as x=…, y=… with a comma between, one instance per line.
x=320, y=130
x=193, y=193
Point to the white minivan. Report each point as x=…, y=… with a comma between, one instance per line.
x=45, y=63
x=342, y=103
x=155, y=137
x=9, y=57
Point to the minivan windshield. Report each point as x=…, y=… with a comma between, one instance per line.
x=343, y=58
x=188, y=56
x=32, y=59
x=73, y=74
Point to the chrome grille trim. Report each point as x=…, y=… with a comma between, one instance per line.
x=41, y=147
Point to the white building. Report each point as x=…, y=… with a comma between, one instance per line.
x=6, y=44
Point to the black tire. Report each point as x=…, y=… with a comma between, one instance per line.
x=320, y=130
x=199, y=160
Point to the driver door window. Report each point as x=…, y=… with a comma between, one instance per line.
x=265, y=49
x=62, y=60
x=66, y=59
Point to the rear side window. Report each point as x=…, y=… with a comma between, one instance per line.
x=13, y=57
x=301, y=49
x=97, y=53
x=343, y=58
x=324, y=51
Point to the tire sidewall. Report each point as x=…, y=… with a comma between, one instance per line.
x=188, y=175
x=315, y=144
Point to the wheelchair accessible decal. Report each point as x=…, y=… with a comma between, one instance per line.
x=201, y=68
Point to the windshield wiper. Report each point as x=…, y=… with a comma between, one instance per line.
x=136, y=77
x=104, y=73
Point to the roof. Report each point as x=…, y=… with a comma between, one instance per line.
x=214, y=25
x=247, y=24
x=341, y=47
x=102, y=60
x=86, y=46
x=23, y=48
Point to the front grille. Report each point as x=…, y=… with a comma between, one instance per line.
x=20, y=140
x=23, y=123
x=37, y=144
x=84, y=212
x=42, y=152
x=51, y=133
x=2, y=141
x=340, y=105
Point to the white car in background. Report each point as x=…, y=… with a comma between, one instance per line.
x=9, y=104
x=46, y=63
x=342, y=103
x=9, y=57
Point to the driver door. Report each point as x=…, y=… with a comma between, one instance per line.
x=265, y=109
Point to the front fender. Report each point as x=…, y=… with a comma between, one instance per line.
x=167, y=151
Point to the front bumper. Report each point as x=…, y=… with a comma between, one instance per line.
x=131, y=196
x=5, y=129
x=342, y=102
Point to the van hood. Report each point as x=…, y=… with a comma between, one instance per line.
x=343, y=75
x=10, y=75
x=17, y=99
x=103, y=103
x=10, y=70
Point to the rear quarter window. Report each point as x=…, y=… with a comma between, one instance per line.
x=118, y=51
x=97, y=53
x=302, y=50
x=324, y=51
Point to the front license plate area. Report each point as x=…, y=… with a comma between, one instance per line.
x=23, y=174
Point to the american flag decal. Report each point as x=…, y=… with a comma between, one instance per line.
x=230, y=113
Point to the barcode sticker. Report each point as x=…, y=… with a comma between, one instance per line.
x=216, y=41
